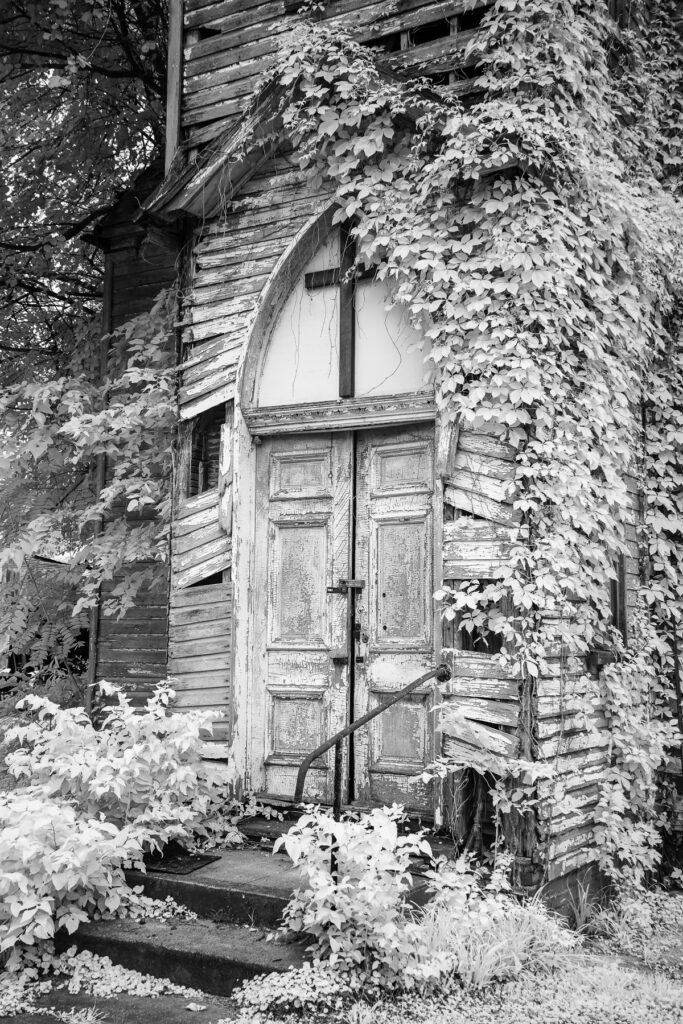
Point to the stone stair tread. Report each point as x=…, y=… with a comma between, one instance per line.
x=202, y=954
x=245, y=885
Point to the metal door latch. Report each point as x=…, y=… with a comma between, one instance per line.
x=344, y=586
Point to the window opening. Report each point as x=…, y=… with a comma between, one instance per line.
x=476, y=640
x=618, y=597
x=430, y=32
x=205, y=451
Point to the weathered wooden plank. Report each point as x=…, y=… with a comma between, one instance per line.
x=575, y=743
x=202, y=627
x=205, y=293
x=224, y=393
x=216, y=593
x=439, y=54
x=492, y=712
x=204, y=553
x=466, y=530
x=206, y=681
x=259, y=48
x=203, y=699
x=198, y=354
x=209, y=390
x=270, y=23
x=482, y=689
x=578, y=839
x=220, y=561
x=225, y=363
x=480, y=505
x=197, y=538
x=223, y=309
x=199, y=662
x=496, y=742
x=470, y=665
x=499, y=491
x=133, y=642
x=475, y=442
x=472, y=569
x=197, y=647
x=577, y=722
x=477, y=465
x=193, y=509
x=207, y=516
x=571, y=862
x=133, y=656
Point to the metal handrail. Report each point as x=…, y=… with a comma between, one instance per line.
x=442, y=673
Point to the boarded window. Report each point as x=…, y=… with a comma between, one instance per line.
x=205, y=452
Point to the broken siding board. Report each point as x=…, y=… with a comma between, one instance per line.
x=200, y=554
x=219, y=562
x=492, y=712
x=197, y=538
x=479, y=504
x=207, y=391
x=207, y=371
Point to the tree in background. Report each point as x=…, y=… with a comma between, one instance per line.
x=82, y=86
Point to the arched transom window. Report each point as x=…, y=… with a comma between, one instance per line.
x=336, y=341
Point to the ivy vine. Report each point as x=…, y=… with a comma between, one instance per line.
x=535, y=238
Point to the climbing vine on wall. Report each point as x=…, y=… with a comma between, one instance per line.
x=535, y=238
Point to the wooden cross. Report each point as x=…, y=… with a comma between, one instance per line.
x=341, y=276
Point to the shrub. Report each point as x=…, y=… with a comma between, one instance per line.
x=57, y=867
x=89, y=801
x=358, y=921
x=136, y=768
x=473, y=931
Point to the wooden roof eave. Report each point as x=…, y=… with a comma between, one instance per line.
x=200, y=189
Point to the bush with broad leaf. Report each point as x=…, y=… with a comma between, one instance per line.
x=90, y=801
x=360, y=921
x=142, y=768
x=58, y=867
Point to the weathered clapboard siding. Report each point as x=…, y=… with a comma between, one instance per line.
x=476, y=545
x=132, y=650
x=200, y=633
x=233, y=260
x=200, y=545
x=229, y=45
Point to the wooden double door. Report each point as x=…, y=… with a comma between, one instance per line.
x=332, y=507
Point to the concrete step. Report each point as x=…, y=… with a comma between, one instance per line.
x=202, y=954
x=246, y=885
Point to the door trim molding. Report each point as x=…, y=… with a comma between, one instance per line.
x=343, y=414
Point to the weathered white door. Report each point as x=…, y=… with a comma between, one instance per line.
x=302, y=527
x=394, y=554
x=330, y=507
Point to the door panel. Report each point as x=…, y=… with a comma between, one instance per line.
x=307, y=490
x=394, y=554
x=302, y=547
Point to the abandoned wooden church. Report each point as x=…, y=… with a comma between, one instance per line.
x=317, y=507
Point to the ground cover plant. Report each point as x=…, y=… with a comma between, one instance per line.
x=474, y=951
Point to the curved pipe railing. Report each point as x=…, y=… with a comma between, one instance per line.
x=441, y=673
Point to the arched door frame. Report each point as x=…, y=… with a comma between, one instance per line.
x=250, y=423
